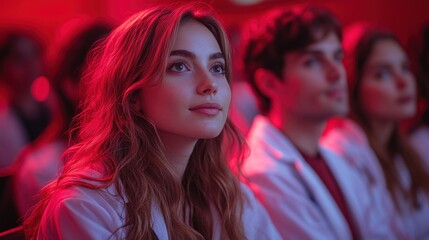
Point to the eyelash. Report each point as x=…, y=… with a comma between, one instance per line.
x=181, y=62
x=222, y=66
x=175, y=64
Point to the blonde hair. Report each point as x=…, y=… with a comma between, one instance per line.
x=114, y=135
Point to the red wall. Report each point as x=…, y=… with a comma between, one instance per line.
x=45, y=16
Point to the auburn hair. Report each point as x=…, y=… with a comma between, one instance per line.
x=114, y=136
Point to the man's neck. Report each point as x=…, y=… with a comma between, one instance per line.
x=303, y=132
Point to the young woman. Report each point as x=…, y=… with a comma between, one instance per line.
x=383, y=93
x=149, y=162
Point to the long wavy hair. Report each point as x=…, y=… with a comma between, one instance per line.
x=117, y=138
x=359, y=44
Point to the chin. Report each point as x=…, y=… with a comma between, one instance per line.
x=210, y=135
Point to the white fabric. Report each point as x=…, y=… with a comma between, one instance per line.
x=12, y=136
x=420, y=141
x=349, y=140
x=300, y=205
x=40, y=166
x=415, y=220
x=420, y=221
x=82, y=213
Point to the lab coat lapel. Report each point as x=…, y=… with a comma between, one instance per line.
x=281, y=148
x=345, y=179
x=323, y=198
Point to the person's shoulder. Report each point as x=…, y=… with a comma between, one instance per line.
x=43, y=159
x=82, y=212
x=257, y=223
x=420, y=133
x=94, y=198
x=345, y=137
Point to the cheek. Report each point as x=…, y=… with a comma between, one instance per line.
x=412, y=84
x=376, y=99
x=225, y=94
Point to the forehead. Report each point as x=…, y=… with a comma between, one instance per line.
x=328, y=42
x=327, y=45
x=192, y=34
x=387, y=50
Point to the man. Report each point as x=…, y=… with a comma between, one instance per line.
x=293, y=60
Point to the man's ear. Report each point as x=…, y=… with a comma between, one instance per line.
x=266, y=81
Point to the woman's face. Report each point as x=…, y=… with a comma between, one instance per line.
x=193, y=99
x=388, y=90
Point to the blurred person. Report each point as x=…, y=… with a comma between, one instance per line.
x=148, y=162
x=41, y=161
x=244, y=106
x=293, y=58
x=22, y=117
x=382, y=95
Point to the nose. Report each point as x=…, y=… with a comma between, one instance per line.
x=402, y=81
x=206, y=84
x=334, y=71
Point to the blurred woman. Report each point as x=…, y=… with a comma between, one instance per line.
x=382, y=94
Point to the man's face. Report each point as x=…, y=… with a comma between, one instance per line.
x=314, y=82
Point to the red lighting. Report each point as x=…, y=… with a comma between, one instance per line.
x=40, y=89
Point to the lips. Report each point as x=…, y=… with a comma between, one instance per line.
x=337, y=93
x=405, y=99
x=210, y=109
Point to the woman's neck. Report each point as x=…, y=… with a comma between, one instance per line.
x=178, y=150
x=382, y=130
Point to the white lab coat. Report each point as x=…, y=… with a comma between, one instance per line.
x=349, y=140
x=300, y=205
x=82, y=213
x=418, y=222
x=12, y=135
x=38, y=167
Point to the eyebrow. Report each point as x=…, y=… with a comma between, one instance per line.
x=317, y=52
x=378, y=65
x=188, y=54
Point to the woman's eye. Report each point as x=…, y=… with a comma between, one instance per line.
x=178, y=67
x=311, y=62
x=382, y=74
x=339, y=57
x=406, y=68
x=219, y=68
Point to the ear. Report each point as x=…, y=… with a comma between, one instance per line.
x=266, y=81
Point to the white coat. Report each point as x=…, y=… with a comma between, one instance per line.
x=83, y=213
x=300, y=205
x=420, y=141
x=349, y=140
